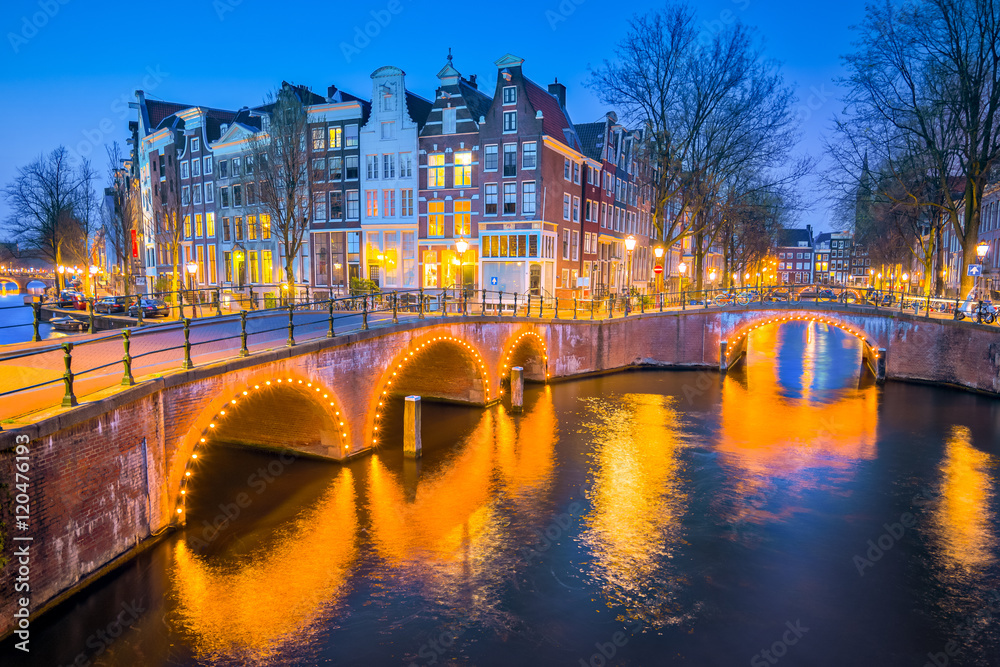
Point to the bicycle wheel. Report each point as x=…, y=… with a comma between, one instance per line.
x=721, y=300
x=989, y=318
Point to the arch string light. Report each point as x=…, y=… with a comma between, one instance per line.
x=403, y=359
x=806, y=318
x=227, y=410
x=508, y=355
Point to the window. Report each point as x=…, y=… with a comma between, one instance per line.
x=463, y=169
x=336, y=205
x=509, y=198
x=405, y=165
x=235, y=166
x=199, y=227
x=336, y=137
x=238, y=228
x=406, y=203
x=389, y=165
x=265, y=226
x=254, y=267
x=565, y=244
x=435, y=171
x=252, y=227
x=353, y=204
x=388, y=130
x=509, y=121
x=225, y=229
x=350, y=136
x=491, y=158
x=319, y=206
x=195, y=145
x=463, y=218
x=196, y=167
x=509, y=160
x=336, y=168
x=604, y=215
x=237, y=195
x=319, y=169
x=318, y=140
x=212, y=268
x=187, y=226
x=210, y=227
x=371, y=203
x=196, y=193
x=528, y=198
x=371, y=162
x=576, y=245
x=184, y=169
x=566, y=206
x=491, y=199
x=510, y=94
x=566, y=169
x=576, y=173
x=351, y=168
x=389, y=203
x=529, y=155
x=435, y=218
x=449, y=120
x=576, y=209
x=185, y=195
x=207, y=162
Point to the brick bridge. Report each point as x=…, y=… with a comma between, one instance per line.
x=21, y=279
x=110, y=473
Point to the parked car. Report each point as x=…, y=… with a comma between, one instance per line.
x=72, y=299
x=150, y=308
x=110, y=304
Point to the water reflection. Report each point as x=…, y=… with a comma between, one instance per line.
x=252, y=608
x=963, y=518
x=638, y=499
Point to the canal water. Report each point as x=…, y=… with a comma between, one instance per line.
x=782, y=515
x=17, y=320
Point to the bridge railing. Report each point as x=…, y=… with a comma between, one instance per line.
x=53, y=373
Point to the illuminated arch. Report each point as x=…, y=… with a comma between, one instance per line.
x=401, y=360
x=221, y=407
x=737, y=335
x=530, y=337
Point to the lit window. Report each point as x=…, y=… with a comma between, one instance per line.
x=463, y=218
x=435, y=171
x=435, y=218
x=463, y=169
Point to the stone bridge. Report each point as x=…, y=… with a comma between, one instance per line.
x=21, y=279
x=109, y=474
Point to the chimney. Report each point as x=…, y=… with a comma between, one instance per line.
x=559, y=91
x=472, y=81
x=330, y=92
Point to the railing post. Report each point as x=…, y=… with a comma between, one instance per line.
x=660, y=297
x=500, y=305
x=421, y=310
x=90, y=307
x=36, y=313
x=557, y=308
x=979, y=313
x=610, y=308
x=484, y=303
x=591, y=305
x=465, y=301
x=180, y=304
x=515, y=304
x=253, y=300
x=642, y=304
x=138, y=311
x=364, y=313
x=684, y=300
x=218, y=302
x=329, y=332
x=187, y=344
x=444, y=302
x=395, y=312
x=244, y=352
x=927, y=312
x=69, y=398
x=127, y=379
x=574, y=307
x=291, y=326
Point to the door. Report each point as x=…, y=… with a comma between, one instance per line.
x=535, y=279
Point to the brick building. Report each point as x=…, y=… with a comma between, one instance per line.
x=795, y=256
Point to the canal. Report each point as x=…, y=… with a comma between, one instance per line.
x=784, y=514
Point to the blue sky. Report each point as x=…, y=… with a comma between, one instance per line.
x=69, y=67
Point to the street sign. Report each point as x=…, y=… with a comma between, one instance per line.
x=658, y=268
x=494, y=281
x=975, y=270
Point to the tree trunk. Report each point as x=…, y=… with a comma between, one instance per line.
x=939, y=274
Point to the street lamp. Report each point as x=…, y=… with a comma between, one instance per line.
x=461, y=245
x=981, y=249
x=93, y=278
x=658, y=253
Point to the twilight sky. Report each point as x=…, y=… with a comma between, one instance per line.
x=69, y=81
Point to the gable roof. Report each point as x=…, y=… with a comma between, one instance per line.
x=592, y=138
x=477, y=101
x=555, y=118
x=418, y=108
x=790, y=238
x=158, y=110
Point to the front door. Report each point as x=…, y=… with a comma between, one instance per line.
x=535, y=279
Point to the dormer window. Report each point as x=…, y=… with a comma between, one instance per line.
x=449, y=120
x=510, y=95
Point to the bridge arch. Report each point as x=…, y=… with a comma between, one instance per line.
x=289, y=398
x=527, y=349
x=419, y=369
x=743, y=329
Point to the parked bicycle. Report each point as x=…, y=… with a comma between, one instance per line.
x=729, y=298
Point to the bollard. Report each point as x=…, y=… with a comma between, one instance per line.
x=69, y=398
x=138, y=311
x=127, y=380
x=291, y=326
x=395, y=311
x=244, y=352
x=187, y=344
x=364, y=312
x=723, y=356
x=517, y=389
x=329, y=332
x=411, y=428
x=36, y=311
x=90, y=305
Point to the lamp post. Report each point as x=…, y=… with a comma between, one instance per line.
x=658, y=253
x=192, y=269
x=629, y=247
x=461, y=245
x=981, y=249
x=682, y=267
x=93, y=279
x=61, y=281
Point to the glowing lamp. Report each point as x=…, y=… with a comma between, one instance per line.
x=192, y=268
x=630, y=243
x=982, y=249
x=658, y=252
x=461, y=245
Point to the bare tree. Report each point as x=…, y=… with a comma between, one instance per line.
x=930, y=71
x=281, y=179
x=120, y=220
